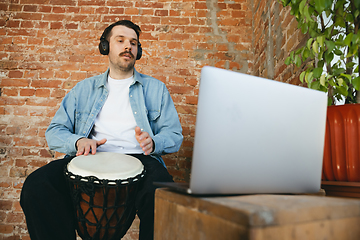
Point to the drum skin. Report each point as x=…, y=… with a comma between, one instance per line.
x=105, y=209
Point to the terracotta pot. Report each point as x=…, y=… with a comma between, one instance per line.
x=342, y=144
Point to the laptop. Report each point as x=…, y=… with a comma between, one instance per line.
x=255, y=135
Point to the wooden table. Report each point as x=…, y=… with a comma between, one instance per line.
x=255, y=217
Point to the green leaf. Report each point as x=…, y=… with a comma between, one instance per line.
x=348, y=39
x=297, y=61
x=304, y=28
x=338, y=71
x=298, y=51
x=346, y=76
x=338, y=52
x=315, y=85
x=328, y=4
x=328, y=56
x=350, y=64
x=320, y=40
x=342, y=90
x=301, y=6
x=306, y=54
x=307, y=14
x=349, y=18
x=308, y=77
x=309, y=42
x=315, y=47
x=317, y=72
x=302, y=76
x=356, y=83
x=357, y=4
x=319, y=5
x=340, y=81
x=322, y=80
x=330, y=45
x=288, y=61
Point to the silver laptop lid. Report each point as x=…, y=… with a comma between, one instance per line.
x=255, y=135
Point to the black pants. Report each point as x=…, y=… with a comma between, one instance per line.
x=48, y=207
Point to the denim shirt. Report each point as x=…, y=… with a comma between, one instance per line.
x=150, y=101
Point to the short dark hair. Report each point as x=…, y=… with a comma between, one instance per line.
x=126, y=23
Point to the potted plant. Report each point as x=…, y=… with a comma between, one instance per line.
x=329, y=62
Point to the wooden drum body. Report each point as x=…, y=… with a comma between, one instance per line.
x=104, y=187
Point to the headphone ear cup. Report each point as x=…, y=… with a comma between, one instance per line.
x=104, y=47
x=139, y=53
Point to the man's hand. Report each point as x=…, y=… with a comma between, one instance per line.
x=84, y=145
x=146, y=142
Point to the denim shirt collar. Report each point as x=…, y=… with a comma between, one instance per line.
x=103, y=78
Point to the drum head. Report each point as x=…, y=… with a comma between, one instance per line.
x=106, y=165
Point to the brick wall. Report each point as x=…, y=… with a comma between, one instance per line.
x=275, y=35
x=47, y=46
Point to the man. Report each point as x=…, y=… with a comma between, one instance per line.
x=118, y=111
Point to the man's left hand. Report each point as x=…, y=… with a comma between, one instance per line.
x=146, y=142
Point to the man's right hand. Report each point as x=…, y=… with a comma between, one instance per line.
x=85, y=145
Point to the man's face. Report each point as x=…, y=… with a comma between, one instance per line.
x=123, y=48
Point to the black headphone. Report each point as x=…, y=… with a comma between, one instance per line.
x=104, y=46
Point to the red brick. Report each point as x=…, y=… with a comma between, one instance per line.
x=116, y=10
x=54, y=17
x=27, y=92
x=28, y=16
x=5, y=205
x=77, y=58
x=62, y=75
x=46, y=83
x=6, y=228
x=30, y=8
x=56, y=25
x=10, y=91
x=15, y=217
x=58, y=93
x=42, y=102
x=175, y=21
x=91, y=2
x=5, y=185
x=45, y=9
x=45, y=153
x=21, y=162
x=143, y=4
x=15, y=7
x=72, y=26
x=15, y=74
x=161, y=13
x=13, y=130
x=58, y=9
x=42, y=93
x=200, y=5
x=62, y=2
x=15, y=82
x=3, y=7
x=34, y=41
x=235, y=6
x=72, y=9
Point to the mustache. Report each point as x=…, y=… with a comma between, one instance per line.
x=126, y=52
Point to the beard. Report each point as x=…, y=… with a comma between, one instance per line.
x=126, y=66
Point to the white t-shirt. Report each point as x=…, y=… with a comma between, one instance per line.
x=116, y=121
